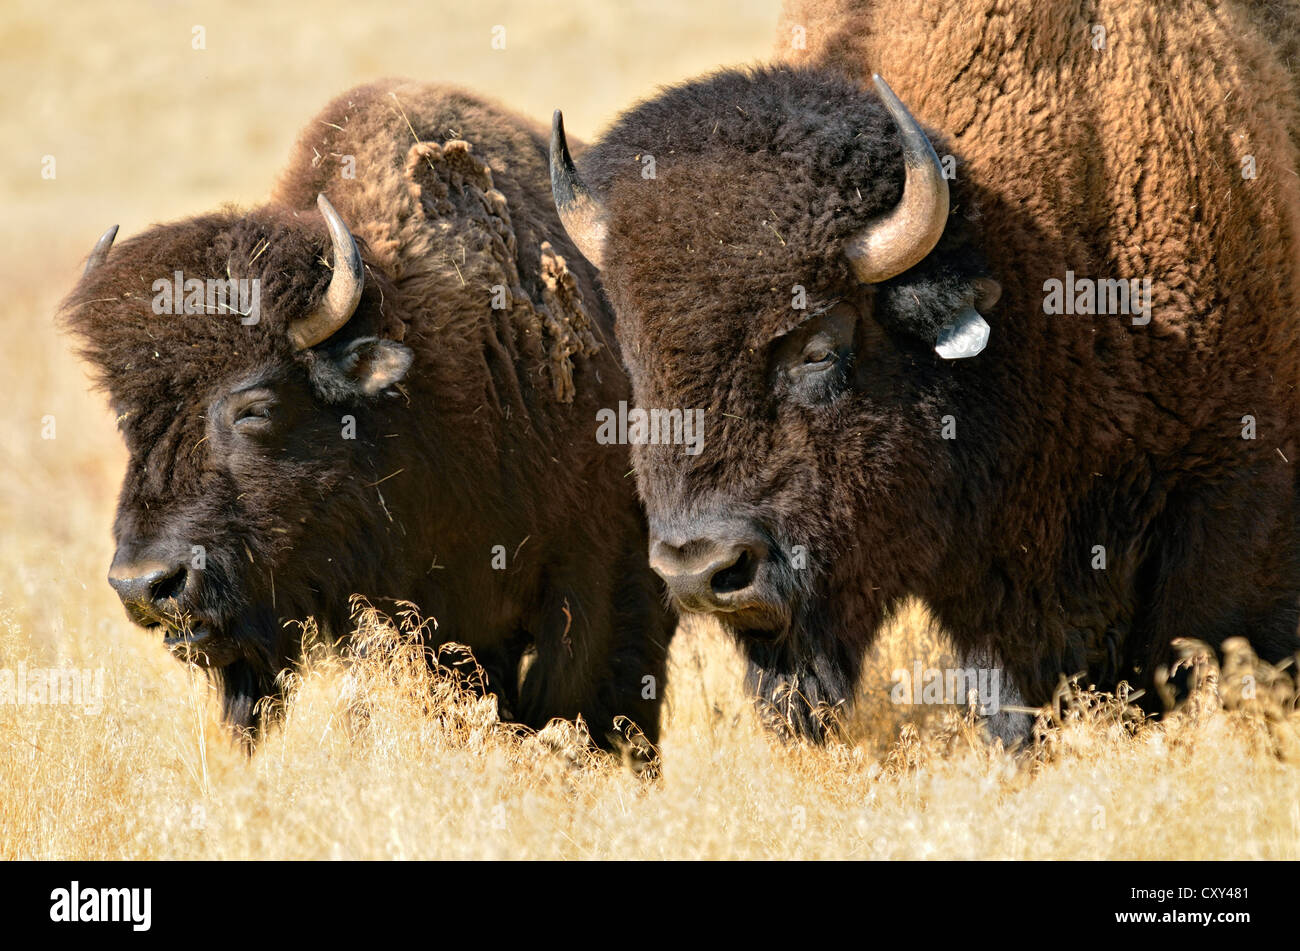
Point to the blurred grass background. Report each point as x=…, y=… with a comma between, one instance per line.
x=144, y=127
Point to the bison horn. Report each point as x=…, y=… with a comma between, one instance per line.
x=580, y=212
x=907, y=234
x=99, y=254
x=343, y=294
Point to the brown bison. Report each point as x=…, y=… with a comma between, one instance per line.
x=785, y=250
x=393, y=395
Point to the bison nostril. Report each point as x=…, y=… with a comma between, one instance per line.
x=168, y=587
x=146, y=584
x=736, y=576
x=718, y=571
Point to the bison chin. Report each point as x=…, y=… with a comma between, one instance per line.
x=247, y=687
x=769, y=622
x=803, y=678
x=242, y=657
x=802, y=662
x=202, y=647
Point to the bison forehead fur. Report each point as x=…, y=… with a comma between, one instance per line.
x=986, y=486
x=449, y=418
x=751, y=199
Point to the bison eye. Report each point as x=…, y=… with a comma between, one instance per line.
x=251, y=412
x=819, y=354
x=811, y=364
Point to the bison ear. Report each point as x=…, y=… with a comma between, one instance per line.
x=987, y=292
x=371, y=365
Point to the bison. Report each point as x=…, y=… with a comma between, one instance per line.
x=389, y=391
x=897, y=406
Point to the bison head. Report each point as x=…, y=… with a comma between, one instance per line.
x=782, y=253
x=236, y=350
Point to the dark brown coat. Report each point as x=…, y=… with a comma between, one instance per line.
x=1074, y=435
x=437, y=449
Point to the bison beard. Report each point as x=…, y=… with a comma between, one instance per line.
x=410, y=417
x=846, y=431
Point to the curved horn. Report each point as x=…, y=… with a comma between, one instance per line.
x=343, y=294
x=580, y=212
x=99, y=253
x=904, y=236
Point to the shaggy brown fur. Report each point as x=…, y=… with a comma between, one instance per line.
x=1128, y=161
x=1072, y=431
x=474, y=486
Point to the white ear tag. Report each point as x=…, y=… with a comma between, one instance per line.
x=966, y=336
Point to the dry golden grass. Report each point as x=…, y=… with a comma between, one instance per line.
x=143, y=128
x=383, y=759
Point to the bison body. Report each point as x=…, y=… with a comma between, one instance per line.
x=430, y=442
x=1073, y=498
